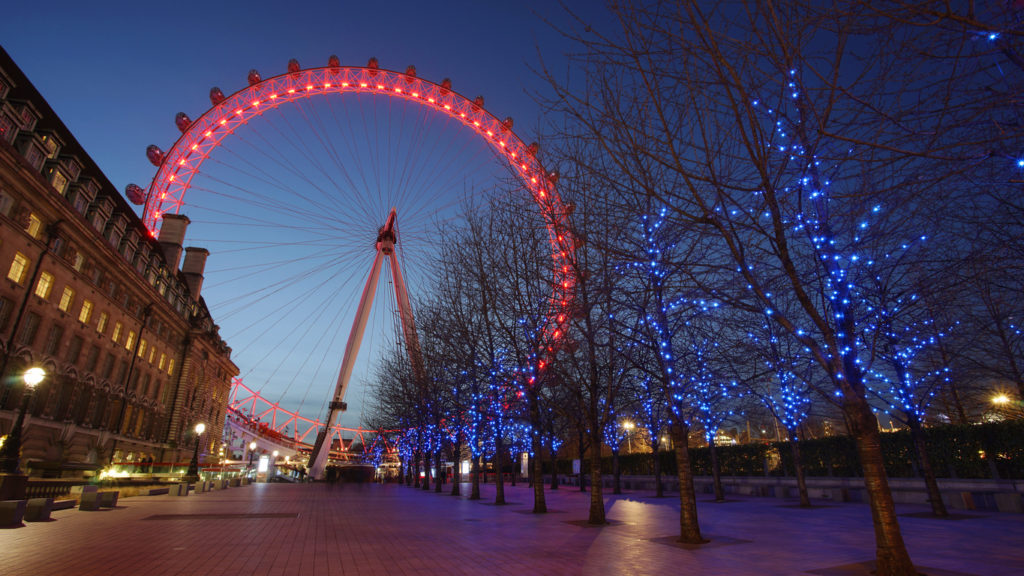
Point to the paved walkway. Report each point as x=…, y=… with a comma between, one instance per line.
x=371, y=529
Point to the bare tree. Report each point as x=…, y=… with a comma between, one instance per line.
x=805, y=142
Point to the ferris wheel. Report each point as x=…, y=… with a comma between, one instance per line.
x=289, y=180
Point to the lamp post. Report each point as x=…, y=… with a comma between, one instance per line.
x=252, y=450
x=274, y=462
x=193, y=467
x=10, y=453
x=629, y=436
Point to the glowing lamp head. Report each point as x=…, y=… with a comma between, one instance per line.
x=200, y=428
x=33, y=376
x=252, y=445
x=998, y=400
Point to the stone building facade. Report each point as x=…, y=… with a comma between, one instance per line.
x=132, y=356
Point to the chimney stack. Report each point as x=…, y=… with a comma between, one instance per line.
x=192, y=268
x=172, y=234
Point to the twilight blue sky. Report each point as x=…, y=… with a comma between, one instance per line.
x=117, y=72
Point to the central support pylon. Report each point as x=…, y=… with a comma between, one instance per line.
x=386, y=240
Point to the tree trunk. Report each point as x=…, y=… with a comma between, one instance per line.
x=716, y=471
x=596, y=491
x=891, y=554
x=659, y=490
x=499, y=480
x=438, y=472
x=798, y=464
x=554, y=468
x=689, y=529
x=540, y=506
x=582, y=445
x=457, y=469
x=474, y=491
x=616, y=473
x=416, y=471
x=932, y=485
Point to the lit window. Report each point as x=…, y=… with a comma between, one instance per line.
x=35, y=226
x=130, y=340
x=44, y=285
x=19, y=268
x=86, y=312
x=170, y=366
x=67, y=298
x=142, y=348
x=101, y=325
x=117, y=332
x=163, y=361
x=152, y=351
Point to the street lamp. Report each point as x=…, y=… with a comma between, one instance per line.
x=252, y=450
x=629, y=440
x=10, y=453
x=193, y=467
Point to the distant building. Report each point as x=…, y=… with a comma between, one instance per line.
x=132, y=356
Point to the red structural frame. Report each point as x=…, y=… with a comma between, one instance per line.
x=166, y=193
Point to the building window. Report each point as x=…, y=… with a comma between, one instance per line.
x=108, y=366
x=67, y=298
x=6, y=202
x=163, y=361
x=53, y=338
x=74, y=349
x=92, y=358
x=117, y=332
x=101, y=325
x=130, y=340
x=28, y=331
x=5, y=312
x=78, y=262
x=86, y=313
x=170, y=367
x=19, y=268
x=44, y=285
x=35, y=226
x=142, y=348
x=152, y=352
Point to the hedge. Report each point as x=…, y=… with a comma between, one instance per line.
x=967, y=451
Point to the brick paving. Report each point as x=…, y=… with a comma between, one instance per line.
x=314, y=530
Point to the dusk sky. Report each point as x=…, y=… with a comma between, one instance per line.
x=118, y=72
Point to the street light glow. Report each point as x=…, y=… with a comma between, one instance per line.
x=34, y=376
x=200, y=428
x=1000, y=399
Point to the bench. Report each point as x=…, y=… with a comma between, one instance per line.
x=62, y=505
x=38, y=509
x=89, y=498
x=108, y=499
x=178, y=489
x=11, y=513
x=157, y=491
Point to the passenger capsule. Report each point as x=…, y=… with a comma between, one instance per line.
x=182, y=121
x=373, y=65
x=293, y=66
x=155, y=155
x=216, y=96
x=553, y=176
x=333, y=62
x=446, y=85
x=478, y=102
x=532, y=149
x=254, y=77
x=410, y=73
x=136, y=195
x=507, y=123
